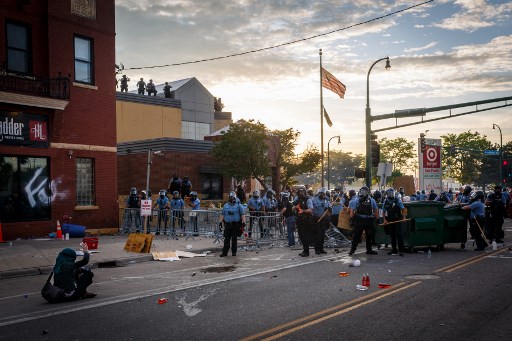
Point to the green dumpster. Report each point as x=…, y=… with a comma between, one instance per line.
x=425, y=227
x=455, y=225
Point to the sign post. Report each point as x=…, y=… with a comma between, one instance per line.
x=145, y=211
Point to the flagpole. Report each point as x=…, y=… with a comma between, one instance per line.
x=321, y=121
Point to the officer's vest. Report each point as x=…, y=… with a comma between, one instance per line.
x=497, y=206
x=133, y=201
x=364, y=207
x=303, y=203
x=393, y=210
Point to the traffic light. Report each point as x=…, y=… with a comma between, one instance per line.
x=423, y=143
x=375, y=153
x=359, y=173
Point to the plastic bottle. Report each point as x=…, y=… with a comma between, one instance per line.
x=429, y=254
x=363, y=280
x=367, y=280
x=494, y=245
x=344, y=274
x=163, y=300
x=384, y=285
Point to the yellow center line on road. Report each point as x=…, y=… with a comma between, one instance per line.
x=332, y=312
x=471, y=261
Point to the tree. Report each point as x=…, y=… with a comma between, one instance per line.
x=242, y=151
x=288, y=162
x=465, y=165
x=399, y=151
x=342, y=167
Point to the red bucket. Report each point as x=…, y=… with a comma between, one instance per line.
x=92, y=242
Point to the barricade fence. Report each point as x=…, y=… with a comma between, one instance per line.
x=262, y=228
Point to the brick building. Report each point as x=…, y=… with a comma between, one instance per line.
x=57, y=115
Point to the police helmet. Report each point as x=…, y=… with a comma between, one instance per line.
x=467, y=190
x=321, y=190
x=478, y=195
x=133, y=191
x=162, y=192
x=175, y=194
x=232, y=196
x=285, y=196
x=256, y=194
x=422, y=191
x=377, y=195
x=270, y=193
x=351, y=193
x=301, y=190
x=390, y=193
x=401, y=189
x=432, y=191
x=193, y=194
x=418, y=193
x=364, y=191
x=497, y=189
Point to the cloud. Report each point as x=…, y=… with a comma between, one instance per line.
x=476, y=14
x=416, y=49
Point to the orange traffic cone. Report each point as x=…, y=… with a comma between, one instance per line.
x=59, y=231
x=1, y=235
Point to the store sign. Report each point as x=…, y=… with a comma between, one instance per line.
x=22, y=129
x=431, y=172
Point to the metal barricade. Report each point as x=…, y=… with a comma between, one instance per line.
x=131, y=219
x=265, y=228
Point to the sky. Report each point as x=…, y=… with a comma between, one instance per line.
x=443, y=52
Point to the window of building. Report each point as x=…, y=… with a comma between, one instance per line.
x=194, y=130
x=19, y=57
x=84, y=62
x=211, y=186
x=84, y=182
x=24, y=188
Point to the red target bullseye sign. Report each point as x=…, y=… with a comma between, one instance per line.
x=432, y=157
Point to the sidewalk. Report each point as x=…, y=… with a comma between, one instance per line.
x=28, y=257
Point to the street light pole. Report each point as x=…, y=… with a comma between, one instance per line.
x=329, y=161
x=501, y=150
x=368, y=121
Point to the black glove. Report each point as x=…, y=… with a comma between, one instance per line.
x=220, y=225
x=243, y=225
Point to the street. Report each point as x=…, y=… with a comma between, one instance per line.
x=275, y=294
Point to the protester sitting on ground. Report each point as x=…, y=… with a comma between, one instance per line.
x=72, y=276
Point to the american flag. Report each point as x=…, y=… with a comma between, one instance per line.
x=332, y=83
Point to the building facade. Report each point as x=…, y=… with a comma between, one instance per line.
x=57, y=115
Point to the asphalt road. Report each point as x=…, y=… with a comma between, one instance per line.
x=274, y=294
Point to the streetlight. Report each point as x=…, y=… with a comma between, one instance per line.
x=369, y=122
x=329, y=161
x=494, y=126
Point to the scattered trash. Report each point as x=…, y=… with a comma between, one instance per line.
x=189, y=247
x=420, y=251
x=193, y=274
x=25, y=296
x=344, y=274
x=361, y=287
x=441, y=324
x=494, y=245
x=336, y=251
x=429, y=255
x=207, y=252
x=384, y=285
x=131, y=262
x=356, y=262
x=163, y=300
x=45, y=332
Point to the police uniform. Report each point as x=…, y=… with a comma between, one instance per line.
x=270, y=204
x=476, y=219
x=177, y=207
x=233, y=216
x=255, y=205
x=304, y=221
x=364, y=220
x=320, y=205
x=141, y=87
x=195, y=204
x=163, y=204
x=133, y=204
x=496, y=203
x=392, y=211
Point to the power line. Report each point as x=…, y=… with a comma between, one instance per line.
x=282, y=44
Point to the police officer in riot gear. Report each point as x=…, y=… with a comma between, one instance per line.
x=364, y=211
x=177, y=205
x=163, y=205
x=393, y=210
x=233, y=217
x=256, y=210
x=195, y=204
x=303, y=208
x=133, y=205
x=496, y=203
x=321, y=219
x=186, y=187
x=477, y=219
